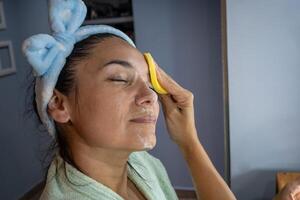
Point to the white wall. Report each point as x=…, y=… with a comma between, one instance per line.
x=264, y=71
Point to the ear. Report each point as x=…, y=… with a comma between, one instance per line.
x=58, y=107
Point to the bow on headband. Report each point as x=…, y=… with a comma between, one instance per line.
x=42, y=50
x=47, y=53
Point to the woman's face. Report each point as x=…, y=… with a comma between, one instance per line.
x=116, y=107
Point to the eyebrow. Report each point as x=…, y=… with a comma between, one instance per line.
x=119, y=62
x=124, y=64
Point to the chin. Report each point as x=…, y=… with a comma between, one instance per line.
x=149, y=144
x=146, y=143
x=145, y=148
x=148, y=148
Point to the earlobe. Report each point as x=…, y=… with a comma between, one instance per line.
x=57, y=108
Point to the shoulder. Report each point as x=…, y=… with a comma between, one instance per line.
x=153, y=171
x=148, y=161
x=67, y=183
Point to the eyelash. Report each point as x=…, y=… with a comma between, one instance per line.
x=125, y=81
x=152, y=88
x=120, y=80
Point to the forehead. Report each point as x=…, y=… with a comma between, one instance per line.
x=114, y=48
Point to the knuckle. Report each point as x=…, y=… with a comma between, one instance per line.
x=189, y=94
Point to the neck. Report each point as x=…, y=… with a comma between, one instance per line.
x=109, y=167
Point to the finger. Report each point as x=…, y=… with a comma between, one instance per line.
x=297, y=196
x=180, y=94
x=167, y=82
x=169, y=104
x=296, y=191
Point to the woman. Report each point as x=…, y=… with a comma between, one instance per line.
x=95, y=98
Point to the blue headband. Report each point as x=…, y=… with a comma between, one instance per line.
x=47, y=53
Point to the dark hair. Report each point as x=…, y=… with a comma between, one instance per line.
x=66, y=83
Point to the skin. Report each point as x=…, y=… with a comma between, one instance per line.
x=178, y=111
x=101, y=134
x=290, y=192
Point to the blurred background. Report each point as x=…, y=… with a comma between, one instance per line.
x=238, y=57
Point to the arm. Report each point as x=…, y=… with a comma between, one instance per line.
x=179, y=116
x=207, y=181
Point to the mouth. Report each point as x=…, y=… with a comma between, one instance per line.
x=145, y=119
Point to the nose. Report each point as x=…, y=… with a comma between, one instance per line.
x=146, y=96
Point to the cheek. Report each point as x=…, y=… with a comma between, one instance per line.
x=157, y=108
x=100, y=119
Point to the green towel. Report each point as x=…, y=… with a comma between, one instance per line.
x=147, y=172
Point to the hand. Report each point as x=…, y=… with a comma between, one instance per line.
x=178, y=110
x=290, y=192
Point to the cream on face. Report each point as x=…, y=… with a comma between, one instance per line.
x=122, y=72
x=117, y=107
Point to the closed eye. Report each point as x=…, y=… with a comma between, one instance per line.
x=126, y=81
x=119, y=80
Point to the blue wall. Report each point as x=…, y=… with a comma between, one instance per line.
x=19, y=145
x=185, y=39
x=264, y=71
x=183, y=36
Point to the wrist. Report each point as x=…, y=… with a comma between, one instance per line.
x=190, y=145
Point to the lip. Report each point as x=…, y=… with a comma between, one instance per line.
x=144, y=119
